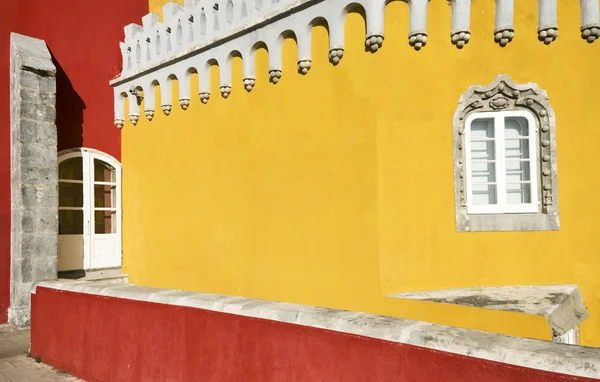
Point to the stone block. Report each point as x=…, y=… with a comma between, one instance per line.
x=38, y=112
x=29, y=80
x=41, y=196
x=36, y=244
x=38, y=132
x=40, y=220
x=34, y=177
x=21, y=270
x=30, y=96
x=48, y=85
x=45, y=267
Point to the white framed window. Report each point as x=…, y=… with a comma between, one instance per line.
x=501, y=163
x=504, y=151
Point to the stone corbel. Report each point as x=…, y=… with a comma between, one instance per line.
x=547, y=24
x=204, y=76
x=336, y=37
x=134, y=109
x=461, y=22
x=590, y=20
x=304, y=39
x=149, y=100
x=417, y=36
x=504, y=30
x=375, y=14
x=119, y=104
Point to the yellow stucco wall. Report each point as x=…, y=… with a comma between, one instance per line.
x=336, y=188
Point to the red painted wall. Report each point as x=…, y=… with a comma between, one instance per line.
x=83, y=36
x=109, y=339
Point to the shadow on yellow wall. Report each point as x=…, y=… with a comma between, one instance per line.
x=336, y=188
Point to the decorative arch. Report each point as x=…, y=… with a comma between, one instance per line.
x=505, y=95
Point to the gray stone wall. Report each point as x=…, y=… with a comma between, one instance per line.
x=34, y=193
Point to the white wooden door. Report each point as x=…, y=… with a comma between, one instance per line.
x=105, y=232
x=89, y=211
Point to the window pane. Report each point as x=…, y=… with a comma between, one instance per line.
x=484, y=194
x=103, y=172
x=482, y=140
x=105, y=196
x=105, y=222
x=518, y=171
x=516, y=127
x=70, y=222
x=482, y=128
x=517, y=148
x=71, y=169
x=518, y=193
x=483, y=172
x=70, y=194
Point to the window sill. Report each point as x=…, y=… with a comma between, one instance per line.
x=507, y=222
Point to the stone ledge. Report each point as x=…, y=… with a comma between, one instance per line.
x=33, y=53
x=562, y=305
x=541, y=355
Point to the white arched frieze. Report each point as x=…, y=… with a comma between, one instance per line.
x=201, y=33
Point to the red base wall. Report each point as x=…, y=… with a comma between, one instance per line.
x=83, y=37
x=109, y=339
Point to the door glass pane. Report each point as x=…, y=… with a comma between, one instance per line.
x=70, y=222
x=70, y=194
x=518, y=193
x=105, y=222
x=103, y=172
x=105, y=196
x=71, y=169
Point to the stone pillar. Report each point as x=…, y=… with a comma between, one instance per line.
x=34, y=193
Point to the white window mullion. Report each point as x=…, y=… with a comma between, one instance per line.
x=533, y=162
x=500, y=161
x=87, y=212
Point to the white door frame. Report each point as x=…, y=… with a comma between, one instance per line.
x=89, y=236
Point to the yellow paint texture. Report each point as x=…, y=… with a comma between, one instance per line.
x=155, y=6
x=336, y=188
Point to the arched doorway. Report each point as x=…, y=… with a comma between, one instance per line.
x=89, y=210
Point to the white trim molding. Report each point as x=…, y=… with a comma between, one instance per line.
x=504, y=94
x=202, y=33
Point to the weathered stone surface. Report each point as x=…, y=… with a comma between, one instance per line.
x=541, y=355
x=34, y=179
x=562, y=305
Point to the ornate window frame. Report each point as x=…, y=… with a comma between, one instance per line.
x=501, y=95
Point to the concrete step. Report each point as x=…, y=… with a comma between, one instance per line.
x=108, y=275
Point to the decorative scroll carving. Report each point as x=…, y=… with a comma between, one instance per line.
x=504, y=94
